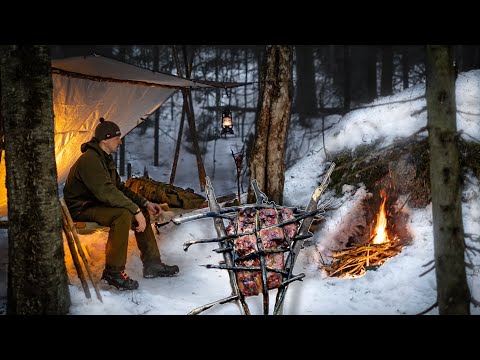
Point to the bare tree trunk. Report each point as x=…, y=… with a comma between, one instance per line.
x=332, y=59
x=306, y=97
x=177, y=146
x=123, y=57
x=245, y=95
x=267, y=163
x=372, y=73
x=453, y=294
x=37, y=277
x=122, y=156
x=182, y=121
x=347, y=85
x=387, y=71
x=218, y=111
x=156, y=132
x=468, y=57
x=187, y=98
x=405, y=67
x=459, y=57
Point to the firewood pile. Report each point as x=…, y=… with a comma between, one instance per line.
x=354, y=261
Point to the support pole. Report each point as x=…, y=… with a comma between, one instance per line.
x=71, y=228
x=76, y=261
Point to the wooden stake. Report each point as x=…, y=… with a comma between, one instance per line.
x=72, y=229
x=227, y=256
x=368, y=256
x=76, y=262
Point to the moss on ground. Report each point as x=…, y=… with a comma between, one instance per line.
x=369, y=164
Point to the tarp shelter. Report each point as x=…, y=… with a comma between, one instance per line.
x=86, y=88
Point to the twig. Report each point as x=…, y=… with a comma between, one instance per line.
x=304, y=229
x=401, y=207
x=202, y=308
x=428, y=309
x=294, y=278
x=472, y=248
x=474, y=138
x=427, y=271
x=187, y=244
x=419, y=111
x=428, y=263
x=246, y=268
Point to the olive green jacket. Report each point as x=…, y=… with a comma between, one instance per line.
x=94, y=181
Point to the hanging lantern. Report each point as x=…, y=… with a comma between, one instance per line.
x=227, y=122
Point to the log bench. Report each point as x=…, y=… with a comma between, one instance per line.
x=89, y=227
x=83, y=227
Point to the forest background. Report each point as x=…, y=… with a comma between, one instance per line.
x=328, y=80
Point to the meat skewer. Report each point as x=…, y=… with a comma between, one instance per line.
x=255, y=242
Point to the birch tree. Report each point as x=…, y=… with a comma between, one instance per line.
x=453, y=294
x=267, y=161
x=37, y=277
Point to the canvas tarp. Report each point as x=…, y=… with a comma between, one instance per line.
x=87, y=88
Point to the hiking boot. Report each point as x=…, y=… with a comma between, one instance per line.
x=159, y=269
x=120, y=280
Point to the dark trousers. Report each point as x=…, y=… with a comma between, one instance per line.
x=120, y=221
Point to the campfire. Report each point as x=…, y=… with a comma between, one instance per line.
x=382, y=244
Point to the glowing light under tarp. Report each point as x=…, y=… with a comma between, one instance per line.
x=79, y=103
x=125, y=94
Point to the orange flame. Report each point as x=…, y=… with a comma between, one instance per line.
x=380, y=232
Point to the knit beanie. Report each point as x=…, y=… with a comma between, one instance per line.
x=106, y=130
